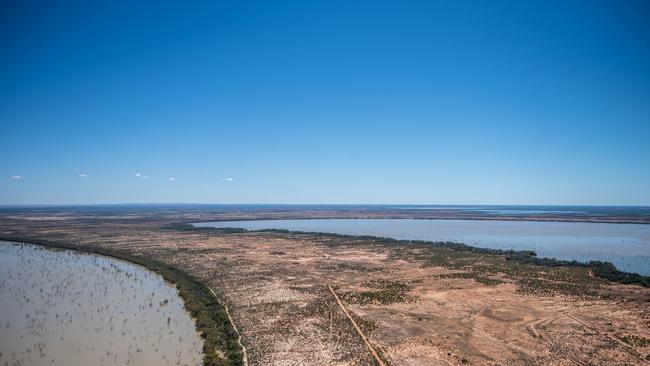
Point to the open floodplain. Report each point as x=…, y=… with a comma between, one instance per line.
x=61, y=307
x=625, y=245
x=319, y=299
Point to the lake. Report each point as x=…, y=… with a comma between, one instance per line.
x=625, y=245
x=61, y=307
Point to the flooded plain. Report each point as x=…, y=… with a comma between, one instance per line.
x=625, y=245
x=68, y=308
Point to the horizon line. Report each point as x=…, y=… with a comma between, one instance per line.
x=3, y=205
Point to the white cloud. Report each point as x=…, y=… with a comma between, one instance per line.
x=171, y=179
x=16, y=177
x=138, y=174
x=228, y=179
x=83, y=175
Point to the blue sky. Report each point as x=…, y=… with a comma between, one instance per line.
x=477, y=102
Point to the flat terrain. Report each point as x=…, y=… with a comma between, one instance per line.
x=306, y=299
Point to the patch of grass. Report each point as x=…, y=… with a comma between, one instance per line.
x=387, y=292
x=636, y=341
x=367, y=326
x=474, y=276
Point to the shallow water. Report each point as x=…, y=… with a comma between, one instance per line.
x=625, y=245
x=69, y=308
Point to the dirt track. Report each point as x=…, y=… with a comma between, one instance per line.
x=234, y=325
x=357, y=328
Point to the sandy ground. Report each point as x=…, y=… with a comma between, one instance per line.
x=415, y=306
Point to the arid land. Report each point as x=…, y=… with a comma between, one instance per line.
x=309, y=299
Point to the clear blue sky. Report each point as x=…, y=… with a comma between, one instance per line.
x=479, y=102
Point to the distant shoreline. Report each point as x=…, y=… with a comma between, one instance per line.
x=469, y=218
x=588, y=214
x=602, y=269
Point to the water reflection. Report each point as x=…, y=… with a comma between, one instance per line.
x=68, y=308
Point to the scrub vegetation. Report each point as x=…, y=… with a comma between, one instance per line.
x=382, y=292
x=605, y=270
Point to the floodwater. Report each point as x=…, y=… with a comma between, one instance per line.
x=69, y=308
x=625, y=245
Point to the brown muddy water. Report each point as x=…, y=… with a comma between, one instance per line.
x=68, y=308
